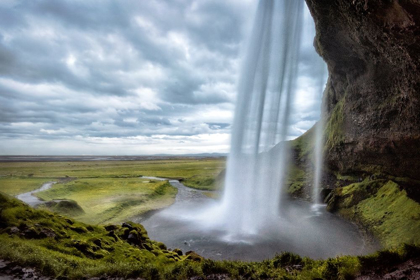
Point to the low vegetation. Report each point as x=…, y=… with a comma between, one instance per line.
x=66, y=207
x=300, y=172
x=72, y=235
x=15, y=185
x=109, y=191
x=334, y=134
x=382, y=207
x=168, y=168
x=112, y=200
x=212, y=181
x=63, y=247
x=297, y=178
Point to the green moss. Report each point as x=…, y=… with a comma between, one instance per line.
x=298, y=173
x=394, y=216
x=296, y=179
x=340, y=268
x=334, y=128
x=381, y=207
x=304, y=144
x=73, y=248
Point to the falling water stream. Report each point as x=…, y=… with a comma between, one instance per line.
x=254, y=220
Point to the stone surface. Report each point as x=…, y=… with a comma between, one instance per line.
x=372, y=48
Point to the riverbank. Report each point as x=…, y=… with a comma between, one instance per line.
x=31, y=199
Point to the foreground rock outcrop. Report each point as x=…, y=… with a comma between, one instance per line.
x=372, y=48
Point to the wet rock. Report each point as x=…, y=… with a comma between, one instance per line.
x=324, y=194
x=79, y=229
x=134, y=238
x=178, y=251
x=17, y=270
x=126, y=225
x=124, y=233
x=46, y=232
x=372, y=98
x=113, y=235
x=3, y=264
x=14, y=230
x=87, y=249
x=30, y=233
x=98, y=242
x=147, y=247
x=162, y=246
x=28, y=273
x=9, y=271
x=110, y=227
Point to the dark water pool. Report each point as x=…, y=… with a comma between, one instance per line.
x=301, y=230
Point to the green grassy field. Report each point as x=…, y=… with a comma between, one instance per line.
x=110, y=191
x=177, y=168
x=113, y=200
x=17, y=185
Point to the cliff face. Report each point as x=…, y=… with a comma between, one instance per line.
x=372, y=100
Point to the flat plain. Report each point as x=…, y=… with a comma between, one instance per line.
x=110, y=191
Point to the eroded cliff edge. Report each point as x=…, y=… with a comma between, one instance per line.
x=372, y=48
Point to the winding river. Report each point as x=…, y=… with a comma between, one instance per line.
x=32, y=200
x=314, y=234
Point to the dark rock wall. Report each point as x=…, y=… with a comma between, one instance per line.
x=372, y=100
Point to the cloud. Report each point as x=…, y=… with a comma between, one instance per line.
x=158, y=74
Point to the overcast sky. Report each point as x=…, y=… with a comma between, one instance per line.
x=126, y=77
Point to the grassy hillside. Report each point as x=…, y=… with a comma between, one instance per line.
x=382, y=207
x=62, y=247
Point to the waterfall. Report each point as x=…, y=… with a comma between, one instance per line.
x=281, y=71
x=256, y=170
x=318, y=148
x=258, y=160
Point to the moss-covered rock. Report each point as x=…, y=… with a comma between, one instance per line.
x=81, y=249
x=382, y=207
